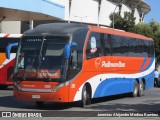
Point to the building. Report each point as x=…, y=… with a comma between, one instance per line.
x=94, y=12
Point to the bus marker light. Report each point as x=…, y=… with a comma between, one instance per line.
x=73, y=86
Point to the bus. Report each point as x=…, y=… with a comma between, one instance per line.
x=68, y=62
x=7, y=65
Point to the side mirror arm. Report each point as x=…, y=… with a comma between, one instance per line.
x=67, y=49
x=8, y=49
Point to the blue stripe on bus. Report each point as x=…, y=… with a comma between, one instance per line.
x=144, y=62
x=115, y=86
x=151, y=62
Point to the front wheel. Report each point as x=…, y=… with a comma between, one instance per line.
x=86, y=98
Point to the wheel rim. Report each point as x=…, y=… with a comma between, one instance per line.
x=85, y=96
x=135, y=89
x=84, y=99
x=141, y=87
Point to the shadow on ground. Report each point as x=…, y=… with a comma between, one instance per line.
x=97, y=104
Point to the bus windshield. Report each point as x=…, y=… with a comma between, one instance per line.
x=41, y=58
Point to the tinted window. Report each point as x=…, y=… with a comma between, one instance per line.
x=151, y=49
x=94, y=48
x=79, y=37
x=107, y=43
x=119, y=45
x=125, y=46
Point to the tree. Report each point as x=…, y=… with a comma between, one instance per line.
x=129, y=21
x=144, y=29
x=118, y=20
x=126, y=23
x=151, y=30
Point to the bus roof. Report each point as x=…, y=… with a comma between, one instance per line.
x=69, y=28
x=55, y=29
x=118, y=32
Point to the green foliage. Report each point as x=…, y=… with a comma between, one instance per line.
x=126, y=23
x=144, y=29
x=151, y=30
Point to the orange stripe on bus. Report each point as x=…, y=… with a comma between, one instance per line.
x=2, y=57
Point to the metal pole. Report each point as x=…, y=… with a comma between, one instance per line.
x=113, y=15
x=31, y=24
x=80, y=17
x=115, y=10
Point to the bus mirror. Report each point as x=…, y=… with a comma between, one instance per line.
x=67, y=49
x=8, y=49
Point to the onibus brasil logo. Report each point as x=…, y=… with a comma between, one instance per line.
x=108, y=64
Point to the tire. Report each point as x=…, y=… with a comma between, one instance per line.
x=86, y=97
x=141, y=89
x=135, y=91
x=39, y=104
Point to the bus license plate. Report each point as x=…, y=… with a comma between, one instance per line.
x=36, y=96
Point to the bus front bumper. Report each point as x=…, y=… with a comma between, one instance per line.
x=58, y=96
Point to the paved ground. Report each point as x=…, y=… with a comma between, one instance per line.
x=113, y=104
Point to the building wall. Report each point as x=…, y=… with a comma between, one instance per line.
x=125, y=8
x=63, y=3
x=137, y=16
x=84, y=11
x=11, y=27
x=107, y=8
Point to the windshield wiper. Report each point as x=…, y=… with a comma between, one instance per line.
x=26, y=72
x=40, y=55
x=39, y=61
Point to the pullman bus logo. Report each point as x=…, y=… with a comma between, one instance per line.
x=109, y=64
x=99, y=63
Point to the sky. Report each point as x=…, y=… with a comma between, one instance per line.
x=155, y=11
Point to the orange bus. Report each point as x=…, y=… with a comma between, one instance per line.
x=62, y=62
x=7, y=65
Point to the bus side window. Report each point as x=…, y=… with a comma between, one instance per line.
x=94, y=46
x=74, y=59
x=150, y=49
x=107, y=43
x=75, y=64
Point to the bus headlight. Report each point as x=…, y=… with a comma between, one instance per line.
x=57, y=87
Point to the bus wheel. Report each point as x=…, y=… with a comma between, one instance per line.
x=135, y=91
x=39, y=104
x=86, y=98
x=141, y=89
